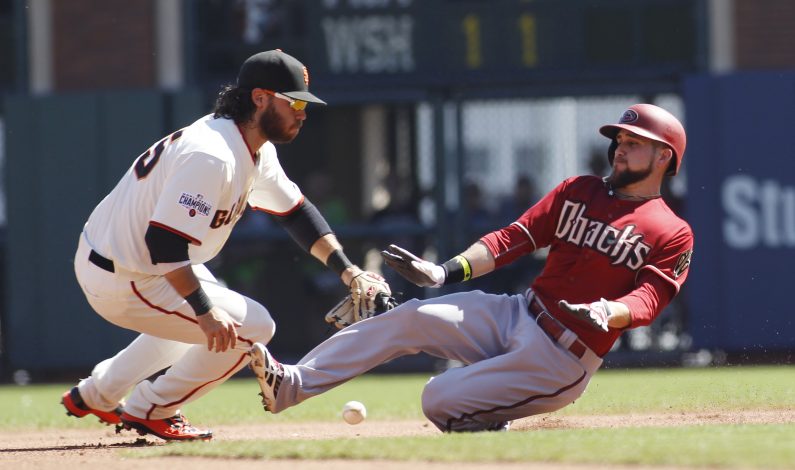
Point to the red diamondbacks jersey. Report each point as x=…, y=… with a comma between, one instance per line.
x=196, y=183
x=599, y=246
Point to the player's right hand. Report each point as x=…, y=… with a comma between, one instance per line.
x=421, y=272
x=219, y=328
x=596, y=314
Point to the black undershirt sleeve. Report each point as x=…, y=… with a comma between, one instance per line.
x=305, y=225
x=165, y=246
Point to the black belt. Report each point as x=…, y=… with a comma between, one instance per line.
x=101, y=262
x=552, y=327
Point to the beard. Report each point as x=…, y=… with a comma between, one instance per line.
x=275, y=129
x=623, y=178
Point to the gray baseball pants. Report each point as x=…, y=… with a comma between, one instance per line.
x=512, y=368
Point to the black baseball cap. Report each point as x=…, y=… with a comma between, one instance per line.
x=276, y=71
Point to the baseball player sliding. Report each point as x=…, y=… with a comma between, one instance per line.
x=140, y=257
x=617, y=256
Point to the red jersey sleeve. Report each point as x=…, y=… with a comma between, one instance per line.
x=533, y=230
x=660, y=279
x=648, y=300
x=672, y=262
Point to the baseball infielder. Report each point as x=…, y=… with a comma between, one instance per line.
x=140, y=257
x=617, y=256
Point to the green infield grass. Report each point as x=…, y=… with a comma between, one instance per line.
x=397, y=397
x=758, y=446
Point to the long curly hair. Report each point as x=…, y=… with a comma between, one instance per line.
x=234, y=103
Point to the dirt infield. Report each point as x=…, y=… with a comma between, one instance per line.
x=100, y=448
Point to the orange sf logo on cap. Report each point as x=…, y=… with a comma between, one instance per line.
x=306, y=76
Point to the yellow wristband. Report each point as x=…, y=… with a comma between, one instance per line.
x=465, y=264
x=457, y=269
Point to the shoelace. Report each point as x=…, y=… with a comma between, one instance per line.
x=274, y=367
x=179, y=422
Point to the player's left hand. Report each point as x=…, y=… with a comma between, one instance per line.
x=418, y=271
x=596, y=314
x=220, y=329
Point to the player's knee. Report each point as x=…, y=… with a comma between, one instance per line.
x=442, y=405
x=268, y=331
x=259, y=324
x=435, y=400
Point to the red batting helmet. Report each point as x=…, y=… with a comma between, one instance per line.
x=654, y=123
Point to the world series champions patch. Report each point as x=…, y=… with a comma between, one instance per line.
x=195, y=204
x=682, y=263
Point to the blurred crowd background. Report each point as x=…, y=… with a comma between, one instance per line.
x=446, y=120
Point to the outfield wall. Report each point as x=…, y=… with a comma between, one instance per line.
x=740, y=165
x=66, y=151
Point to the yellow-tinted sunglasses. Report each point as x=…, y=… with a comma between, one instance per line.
x=296, y=105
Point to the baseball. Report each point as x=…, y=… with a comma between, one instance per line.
x=354, y=412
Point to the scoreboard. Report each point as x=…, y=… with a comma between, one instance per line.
x=373, y=45
x=382, y=47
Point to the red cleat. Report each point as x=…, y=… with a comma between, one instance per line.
x=176, y=428
x=75, y=406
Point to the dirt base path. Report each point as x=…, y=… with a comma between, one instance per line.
x=100, y=448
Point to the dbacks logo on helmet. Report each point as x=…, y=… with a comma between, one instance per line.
x=629, y=116
x=621, y=245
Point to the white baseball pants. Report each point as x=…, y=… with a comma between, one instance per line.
x=170, y=338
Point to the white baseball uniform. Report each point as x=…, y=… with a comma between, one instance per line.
x=195, y=183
